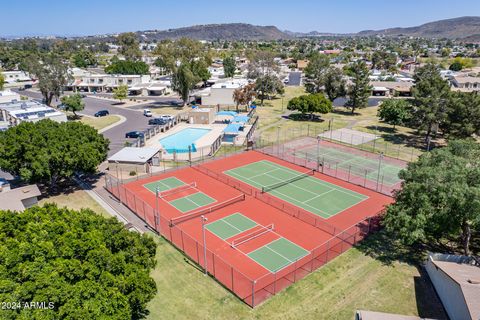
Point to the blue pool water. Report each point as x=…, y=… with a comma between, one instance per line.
x=180, y=141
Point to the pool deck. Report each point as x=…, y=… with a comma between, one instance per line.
x=203, y=144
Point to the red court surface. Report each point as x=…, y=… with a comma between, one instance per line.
x=248, y=279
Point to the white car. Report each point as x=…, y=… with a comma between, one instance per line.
x=167, y=117
x=147, y=113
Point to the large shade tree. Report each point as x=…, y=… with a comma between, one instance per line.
x=311, y=103
x=52, y=73
x=86, y=266
x=440, y=196
x=47, y=151
x=431, y=95
x=360, y=89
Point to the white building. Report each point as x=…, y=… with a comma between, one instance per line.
x=12, y=77
x=221, y=93
x=16, y=112
x=8, y=96
x=18, y=199
x=466, y=84
x=457, y=282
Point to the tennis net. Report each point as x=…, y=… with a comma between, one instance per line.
x=198, y=213
x=285, y=182
x=252, y=235
x=177, y=189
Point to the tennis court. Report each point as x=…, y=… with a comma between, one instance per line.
x=164, y=184
x=354, y=163
x=310, y=193
x=260, y=243
x=192, y=202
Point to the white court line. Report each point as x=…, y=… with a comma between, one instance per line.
x=328, y=184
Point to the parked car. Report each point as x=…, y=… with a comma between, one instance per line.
x=167, y=117
x=134, y=134
x=101, y=113
x=157, y=121
x=147, y=113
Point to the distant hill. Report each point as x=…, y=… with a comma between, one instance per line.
x=457, y=28
x=229, y=31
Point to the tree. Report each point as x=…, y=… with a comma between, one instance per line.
x=52, y=74
x=431, y=94
x=456, y=66
x=229, y=66
x=73, y=103
x=311, y=103
x=463, y=115
x=88, y=266
x=187, y=60
x=129, y=46
x=360, y=89
x=183, y=81
x=120, y=92
x=47, y=151
x=127, y=67
x=315, y=72
x=84, y=58
x=244, y=95
x=262, y=68
x=384, y=60
x=334, y=83
x=394, y=112
x=440, y=196
x=267, y=86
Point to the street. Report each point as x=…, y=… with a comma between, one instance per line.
x=135, y=119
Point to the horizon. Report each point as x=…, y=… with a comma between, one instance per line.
x=112, y=17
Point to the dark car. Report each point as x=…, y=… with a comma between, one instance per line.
x=102, y=113
x=134, y=134
x=157, y=121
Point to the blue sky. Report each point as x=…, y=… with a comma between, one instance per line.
x=45, y=17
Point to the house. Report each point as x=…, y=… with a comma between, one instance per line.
x=139, y=160
x=18, y=199
x=16, y=112
x=466, y=84
x=392, y=88
x=221, y=93
x=302, y=64
x=456, y=280
x=8, y=96
x=16, y=77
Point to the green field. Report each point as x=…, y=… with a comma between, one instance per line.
x=354, y=280
x=314, y=195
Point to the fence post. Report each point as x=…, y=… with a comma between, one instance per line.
x=253, y=292
x=349, y=169
x=365, y=179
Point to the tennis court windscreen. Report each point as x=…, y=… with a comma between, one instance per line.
x=287, y=181
x=198, y=213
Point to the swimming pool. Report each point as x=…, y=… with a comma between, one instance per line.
x=180, y=141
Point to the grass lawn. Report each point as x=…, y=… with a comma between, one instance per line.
x=354, y=280
x=76, y=200
x=100, y=122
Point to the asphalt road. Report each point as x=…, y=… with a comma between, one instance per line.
x=294, y=78
x=134, y=117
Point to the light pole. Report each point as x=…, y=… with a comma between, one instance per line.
x=319, y=139
x=204, y=244
x=278, y=141
x=157, y=215
x=379, y=168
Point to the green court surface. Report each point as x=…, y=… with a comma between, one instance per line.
x=164, y=185
x=192, y=202
x=312, y=194
x=230, y=226
x=277, y=254
x=357, y=165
